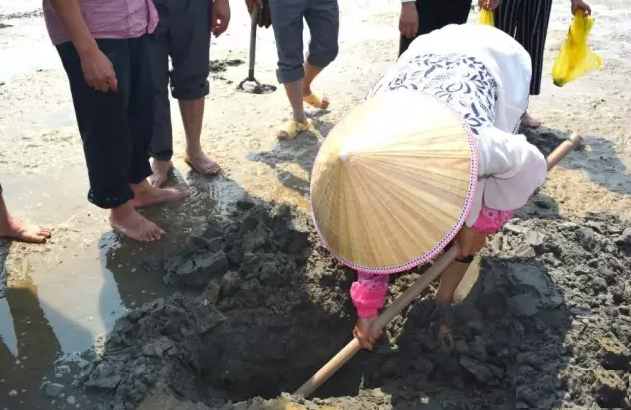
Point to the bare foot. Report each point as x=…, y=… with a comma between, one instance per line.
x=530, y=121
x=147, y=195
x=126, y=220
x=160, y=172
x=17, y=230
x=202, y=164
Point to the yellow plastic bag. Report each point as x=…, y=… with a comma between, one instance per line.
x=486, y=17
x=575, y=57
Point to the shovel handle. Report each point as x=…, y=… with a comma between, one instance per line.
x=562, y=150
x=407, y=297
x=254, y=22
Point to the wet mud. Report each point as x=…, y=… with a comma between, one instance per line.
x=546, y=323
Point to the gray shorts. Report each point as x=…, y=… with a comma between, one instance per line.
x=323, y=19
x=183, y=33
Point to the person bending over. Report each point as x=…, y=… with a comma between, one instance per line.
x=483, y=76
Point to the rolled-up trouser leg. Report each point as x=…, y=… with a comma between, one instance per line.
x=141, y=109
x=189, y=48
x=287, y=16
x=184, y=34
x=161, y=146
x=323, y=19
x=104, y=122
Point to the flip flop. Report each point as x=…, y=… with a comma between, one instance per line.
x=315, y=100
x=292, y=128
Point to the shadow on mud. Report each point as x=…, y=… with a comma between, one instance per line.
x=601, y=163
x=300, y=151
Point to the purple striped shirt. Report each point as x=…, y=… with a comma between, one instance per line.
x=113, y=19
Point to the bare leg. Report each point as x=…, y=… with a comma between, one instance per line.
x=311, y=72
x=193, y=116
x=12, y=228
x=294, y=94
x=147, y=195
x=530, y=121
x=126, y=220
x=449, y=281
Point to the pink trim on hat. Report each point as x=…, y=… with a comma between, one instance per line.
x=473, y=182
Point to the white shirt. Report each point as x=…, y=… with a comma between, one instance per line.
x=484, y=75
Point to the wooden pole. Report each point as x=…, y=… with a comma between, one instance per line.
x=562, y=150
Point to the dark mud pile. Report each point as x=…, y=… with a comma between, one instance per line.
x=546, y=324
x=272, y=309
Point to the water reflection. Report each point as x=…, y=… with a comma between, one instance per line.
x=51, y=313
x=33, y=345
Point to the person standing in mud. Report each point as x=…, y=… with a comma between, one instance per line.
x=527, y=21
x=11, y=228
x=482, y=75
x=104, y=49
x=183, y=33
x=296, y=74
x=420, y=17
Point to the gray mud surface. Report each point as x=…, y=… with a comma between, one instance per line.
x=546, y=324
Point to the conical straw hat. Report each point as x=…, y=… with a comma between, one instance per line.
x=393, y=182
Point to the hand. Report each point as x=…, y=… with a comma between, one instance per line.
x=489, y=5
x=408, y=23
x=99, y=71
x=361, y=332
x=581, y=5
x=469, y=242
x=252, y=3
x=220, y=17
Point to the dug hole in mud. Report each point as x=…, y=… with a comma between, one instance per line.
x=545, y=324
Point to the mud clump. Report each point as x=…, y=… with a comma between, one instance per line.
x=219, y=66
x=546, y=324
x=269, y=298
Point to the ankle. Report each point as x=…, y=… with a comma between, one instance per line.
x=122, y=212
x=194, y=151
x=444, y=300
x=300, y=117
x=161, y=161
x=141, y=188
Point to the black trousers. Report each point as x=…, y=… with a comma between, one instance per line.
x=527, y=21
x=436, y=14
x=115, y=127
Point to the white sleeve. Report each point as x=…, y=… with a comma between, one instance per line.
x=407, y=1
x=513, y=168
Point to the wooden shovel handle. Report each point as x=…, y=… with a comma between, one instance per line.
x=562, y=150
x=407, y=297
